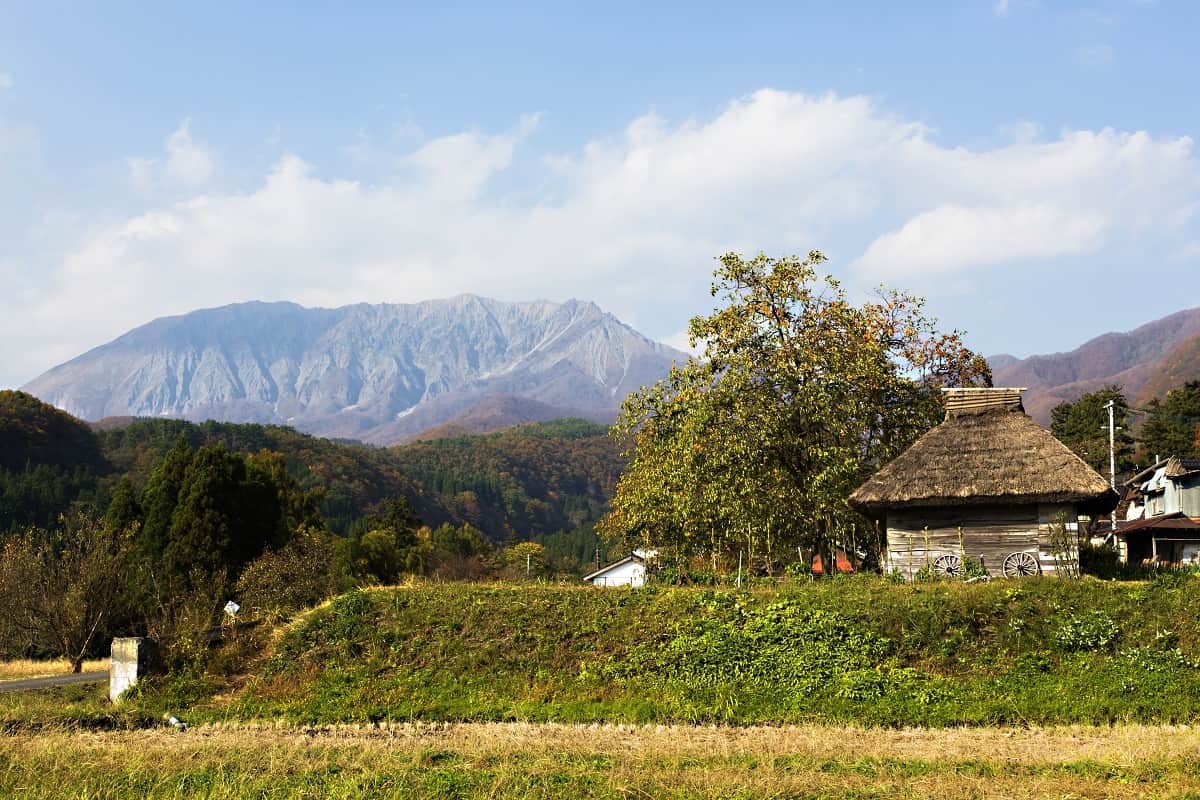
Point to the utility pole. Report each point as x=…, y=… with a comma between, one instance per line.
x=1112, y=458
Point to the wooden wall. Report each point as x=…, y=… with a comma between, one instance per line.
x=915, y=537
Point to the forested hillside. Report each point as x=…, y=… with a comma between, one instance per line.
x=354, y=479
x=48, y=460
x=524, y=482
x=530, y=482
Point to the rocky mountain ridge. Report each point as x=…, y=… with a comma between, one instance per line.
x=381, y=373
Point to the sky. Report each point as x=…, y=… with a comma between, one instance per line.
x=1027, y=166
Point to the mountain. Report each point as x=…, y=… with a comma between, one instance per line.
x=1146, y=362
x=378, y=373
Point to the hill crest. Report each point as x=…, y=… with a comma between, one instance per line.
x=1145, y=362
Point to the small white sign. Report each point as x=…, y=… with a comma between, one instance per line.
x=231, y=608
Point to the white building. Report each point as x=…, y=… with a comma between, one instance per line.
x=629, y=571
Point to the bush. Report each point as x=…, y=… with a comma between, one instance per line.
x=301, y=574
x=1091, y=630
x=1102, y=561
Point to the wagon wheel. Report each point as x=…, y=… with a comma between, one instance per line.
x=947, y=566
x=1020, y=565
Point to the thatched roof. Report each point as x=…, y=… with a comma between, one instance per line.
x=988, y=451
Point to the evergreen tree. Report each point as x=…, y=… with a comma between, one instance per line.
x=161, y=496
x=224, y=518
x=124, y=512
x=1083, y=427
x=1172, y=425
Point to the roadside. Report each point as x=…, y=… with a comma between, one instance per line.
x=52, y=681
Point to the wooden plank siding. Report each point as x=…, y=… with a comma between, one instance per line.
x=916, y=537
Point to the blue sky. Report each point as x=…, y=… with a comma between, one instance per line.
x=1019, y=163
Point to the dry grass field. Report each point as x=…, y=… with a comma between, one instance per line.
x=502, y=760
x=27, y=668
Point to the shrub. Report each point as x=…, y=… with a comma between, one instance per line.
x=1091, y=630
x=302, y=573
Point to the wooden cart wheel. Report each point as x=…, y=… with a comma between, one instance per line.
x=1020, y=565
x=947, y=566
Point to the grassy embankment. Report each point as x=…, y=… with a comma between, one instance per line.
x=853, y=661
x=860, y=651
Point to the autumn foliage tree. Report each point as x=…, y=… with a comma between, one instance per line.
x=62, y=588
x=799, y=396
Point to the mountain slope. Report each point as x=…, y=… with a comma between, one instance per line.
x=526, y=481
x=380, y=373
x=1144, y=361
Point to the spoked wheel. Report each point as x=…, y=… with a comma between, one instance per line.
x=1020, y=565
x=947, y=566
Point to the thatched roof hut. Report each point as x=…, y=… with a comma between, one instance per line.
x=987, y=474
x=987, y=450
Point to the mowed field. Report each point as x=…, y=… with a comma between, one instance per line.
x=524, y=760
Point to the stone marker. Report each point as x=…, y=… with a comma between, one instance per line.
x=132, y=658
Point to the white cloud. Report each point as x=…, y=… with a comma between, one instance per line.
x=1034, y=200
x=683, y=341
x=1001, y=8
x=631, y=221
x=142, y=173
x=6, y=81
x=188, y=162
x=949, y=237
x=185, y=163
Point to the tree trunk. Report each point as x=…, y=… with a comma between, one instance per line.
x=77, y=664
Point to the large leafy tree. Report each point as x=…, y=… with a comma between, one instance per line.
x=799, y=396
x=1172, y=426
x=1083, y=427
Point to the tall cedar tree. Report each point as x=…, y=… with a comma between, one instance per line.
x=1172, y=426
x=799, y=396
x=226, y=515
x=160, y=497
x=1083, y=427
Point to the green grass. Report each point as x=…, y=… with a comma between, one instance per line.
x=862, y=651
x=858, y=650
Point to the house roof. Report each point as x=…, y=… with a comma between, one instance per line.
x=614, y=565
x=1177, y=522
x=1172, y=467
x=987, y=451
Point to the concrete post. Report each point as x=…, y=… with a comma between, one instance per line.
x=132, y=658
